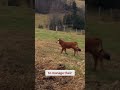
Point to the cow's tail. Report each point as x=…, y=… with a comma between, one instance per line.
x=100, y=45
x=76, y=44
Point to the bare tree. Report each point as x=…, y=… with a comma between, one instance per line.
x=55, y=14
x=57, y=6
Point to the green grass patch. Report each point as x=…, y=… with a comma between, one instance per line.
x=49, y=35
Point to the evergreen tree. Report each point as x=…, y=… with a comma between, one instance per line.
x=74, y=19
x=74, y=8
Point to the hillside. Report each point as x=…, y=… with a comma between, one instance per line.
x=48, y=57
x=80, y=4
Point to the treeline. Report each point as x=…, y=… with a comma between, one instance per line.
x=106, y=4
x=63, y=15
x=27, y=3
x=74, y=18
x=45, y=6
x=110, y=8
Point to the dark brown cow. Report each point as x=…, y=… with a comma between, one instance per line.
x=68, y=45
x=95, y=48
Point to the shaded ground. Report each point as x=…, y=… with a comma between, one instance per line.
x=108, y=31
x=107, y=79
x=16, y=48
x=16, y=61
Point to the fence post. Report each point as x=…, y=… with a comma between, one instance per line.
x=48, y=27
x=56, y=28
x=76, y=30
x=80, y=32
x=64, y=27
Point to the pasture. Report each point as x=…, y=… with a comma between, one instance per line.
x=47, y=56
x=109, y=33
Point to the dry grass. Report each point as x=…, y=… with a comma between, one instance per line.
x=47, y=57
x=41, y=19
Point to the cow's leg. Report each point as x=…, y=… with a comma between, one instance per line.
x=74, y=52
x=77, y=52
x=65, y=51
x=95, y=62
x=62, y=50
x=101, y=63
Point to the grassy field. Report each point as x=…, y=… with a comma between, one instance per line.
x=48, y=56
x=43, y=19
x=43, y=34
x=109, y=33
